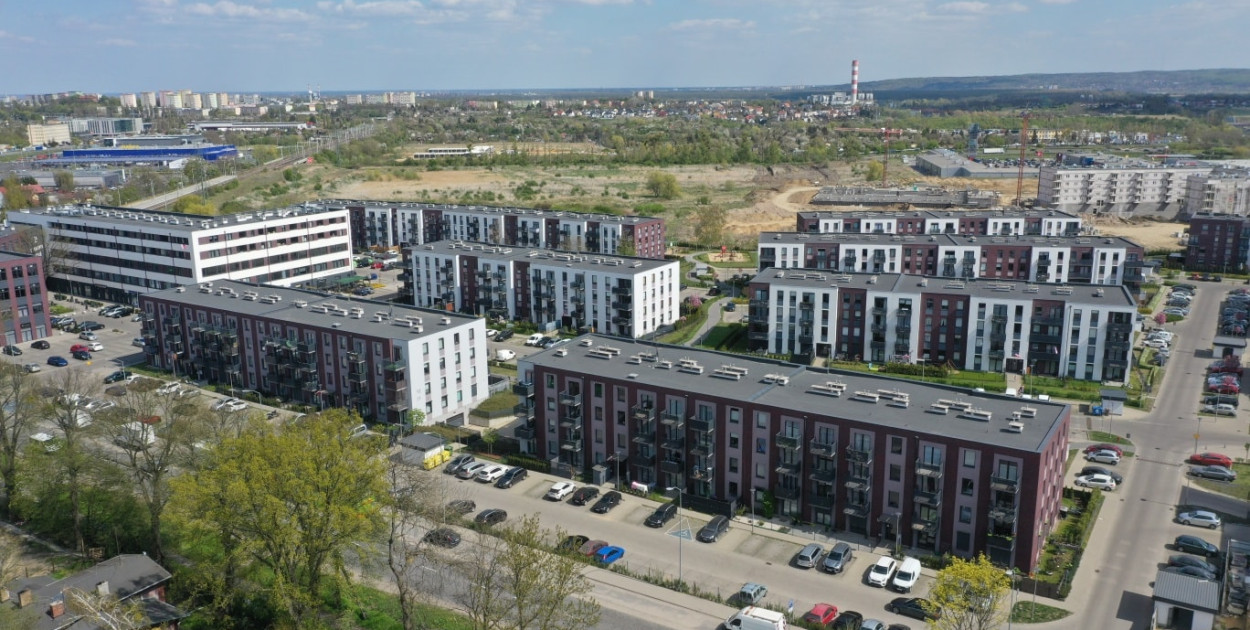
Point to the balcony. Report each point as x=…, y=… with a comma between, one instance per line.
x=783, y=491
x=524, y=432
x=524, y=410
x=820, y=448
x=860, y=511
x=857, y=481
x=571, y=421
x=674, y=444
x=931, y=499
x=928, y=526
x=1003, y=512
x=395, y=366
x=827, y=476
x=929, y=469
x=644, y=437
x=858, y=455
x=572, y=446
x=1005, y=484
x=701, y=448
x=821, y=501
x=524, y=390
x=702, y=425
x=671, y=467
x=570, y=399
x=646, y=460
x=702, y=473
x=643, y=413
x=674, y=420
x=787, y=441
x=789, y=468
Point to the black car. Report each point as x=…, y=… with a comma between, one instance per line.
x=82, y=355
x=462, y=506
x=458, y=462
x=491, y=517
x=443, y=537
x=848, y=620
x=13, y=351
x=1099, y=470
x=607, y=502
x=1201, y=574
x=661, y=515
x=571, y=544
x=40, y=345
x=1196, y=545
x=90, y=326
x=914, y=607
x=510, y=478
x=504, y=335
x=1181, y=560
x=117, y=376
x=714, y=529
x=584, y=495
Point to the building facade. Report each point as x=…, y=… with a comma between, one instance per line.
x=378, y=359
x=1099, y=187
x=385, y=225
x=1073, y=331
x=630, y=297
x=116, y=254
x=932, y=468
x=1045, y=259
x=1221, y=191
x=1218, y=242
x=23, y=298
x=999, y=222
x=57, y=133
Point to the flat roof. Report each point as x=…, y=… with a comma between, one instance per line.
x=1111, y=295
x=537, y=256
x=443, y=207
x=643, y=363
x=944, y=240
x=1008, y=212
x=1187, y=591
x=287, y=307
x=160, y=221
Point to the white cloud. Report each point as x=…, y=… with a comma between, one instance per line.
x=1057, y=1
x=973, y=7
x=119, y=41
x=385, y=8
x=234, y=10
x=709, y=24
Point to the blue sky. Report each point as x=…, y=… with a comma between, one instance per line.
x=273, y=45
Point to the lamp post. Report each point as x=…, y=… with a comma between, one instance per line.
x=1011, y=575
x=682, y=533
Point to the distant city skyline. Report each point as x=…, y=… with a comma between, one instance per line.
x=435, y=45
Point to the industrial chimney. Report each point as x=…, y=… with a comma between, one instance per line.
x=854, y=80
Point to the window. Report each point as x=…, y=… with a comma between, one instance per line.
x=761, y=445
x=965, y=514
x=896, y=445
x=598, y=388
x=733, y=464
x=891, y=499
x=896, y=472
x=733, y=440
x=759, y=471
x=761, y=421
x=966, y=486
x=970, y=459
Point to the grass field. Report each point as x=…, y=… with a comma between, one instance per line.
x=1028, y=612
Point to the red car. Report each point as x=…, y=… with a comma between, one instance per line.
x=1212, y=459
x=1104, y=447
x=821, y=614
x=78, y=347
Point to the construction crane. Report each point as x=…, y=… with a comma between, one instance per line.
x=885, y=166
x=1024, y=144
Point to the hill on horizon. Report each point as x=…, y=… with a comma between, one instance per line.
x=1207, y=81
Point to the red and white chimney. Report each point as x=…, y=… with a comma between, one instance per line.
x=854, y=80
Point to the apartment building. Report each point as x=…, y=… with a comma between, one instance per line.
x=37, y=135
x=623, y=296
x=116, y=254
x=1057, y=259
x=377, y=224
x=1077, y=331
x=933, y=468
x=1222, y=191
x=23, y=297
x=376, y=358
x=1103, y=186
x=1218, y=242
x=997, y=222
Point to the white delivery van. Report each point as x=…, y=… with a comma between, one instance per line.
x=907, y=574
x=504, y=354
x=535, y=339
x=756, y=618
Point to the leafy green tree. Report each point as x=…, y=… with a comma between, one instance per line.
x=876, y=170
x=193, y=204
x=663, y=185
x=14, y=196
x=626, y=247
x=971, y=594
x=709, y=225
x=64, y=180
x=293, y=499
x=17, y=417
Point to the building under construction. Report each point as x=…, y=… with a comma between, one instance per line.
x=919, y=197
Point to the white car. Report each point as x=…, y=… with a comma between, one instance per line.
x=1201, y=518
x=98, y=405
x=1103, y=457
x=882, y=571
x=31, y=367
x=229, y=404
x=168, y=388
x=1102, y=482
x=137, y=342
x=491, y=473
x=95, y=346
x=560, y=490
x=1157, y=344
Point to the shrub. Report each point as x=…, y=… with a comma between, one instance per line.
x=527, y=462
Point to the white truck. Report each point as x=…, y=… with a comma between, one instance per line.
x=756, y=618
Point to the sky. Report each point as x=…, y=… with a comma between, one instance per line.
x=114, y=46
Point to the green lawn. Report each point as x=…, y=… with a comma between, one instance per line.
x=1028, y=612
x=1111, y=438
x=499, y=402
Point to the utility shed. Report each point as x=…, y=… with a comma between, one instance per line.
x=1223, y=346
x=1113, y=401
x=426, y=450
x=1184, y=602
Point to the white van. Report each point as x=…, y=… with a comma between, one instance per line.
x=756, y=618
x=906, y=576
x=504, y=354
x=535, y=339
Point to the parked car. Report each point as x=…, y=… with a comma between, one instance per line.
x=535, y=339
x=915, y=607
x=1212, y=459
x=13, y=351
x=661, y=515
x=137, y=342
x=94, y=346
x=882, y=571
x=458, y=462
x=848, y=620
x=714, y=529
x=40, y=345
x=907, y=575
x=119, y=376
x=1218, y=473
x=838, y=558
x=584, y=495
x=511, y=477
x=57, y=361
x=461, y=506
x=808, y=556
x=492, y=516
x=1201, y=518
x=78, y=347
x=491, y=473
x=589, y=547
x=609, y=554
x=1201, y=574
x=1155, y=343
x=81, y=355
x=1220, y=409
x=442, y=537
x=821, y=614
x=1103, y=457
x=470, y=471
x=1092, y=448
x=571, y=544
x=605, y=503
x=560, y=490
x=751, y=593
x=504, y=335
x=1099, y=470
x=1182, y=560
x=1102, y=482
x=87, y=336
x=90, y=326
x=31, y=367
x=229, y=404
x=1195, y=545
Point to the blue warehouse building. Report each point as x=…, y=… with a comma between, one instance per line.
x=207, y=152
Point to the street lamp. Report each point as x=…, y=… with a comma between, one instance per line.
x=681, y=533
x=1011, y=575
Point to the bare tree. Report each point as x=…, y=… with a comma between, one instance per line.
x=418, y=507
x=58, y=256
x=105, y=610
x=64, y=403
x=17, y=396
x=484, y=597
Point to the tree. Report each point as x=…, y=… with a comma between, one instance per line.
x=193, y=204
x=64, y=180
x=876, y=170
x=105, y=610
x=489, y=436
x=58, y=255
x=709, y=225
x=516, y=583
x=17, y=405
x=64, y=405
x=418, y=505
x=663, y=185
x=970, y=594
x=626, y=247
x=14, y=195
x=293, y=499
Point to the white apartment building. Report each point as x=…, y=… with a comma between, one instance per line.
x=116, y=254
x=129, y=100
x=1084, y=188
x=614, y=295
x=1222, y=191
x=38, y=135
